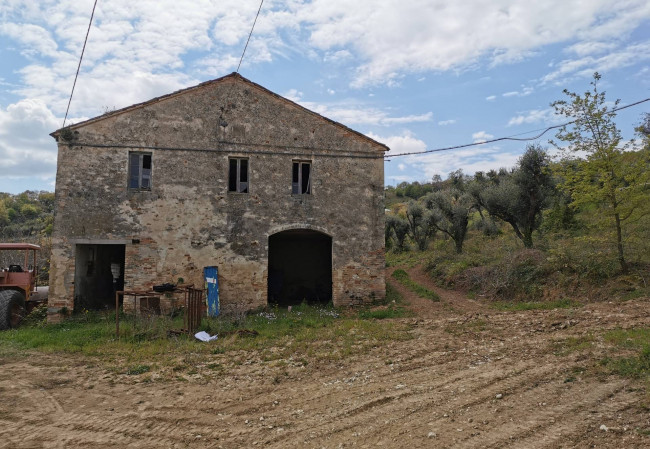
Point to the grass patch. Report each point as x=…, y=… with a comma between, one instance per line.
x=573, y=344
x=306, y=332
x=637, y=342
x=518, y=306
x=392, y=307
x=138, y=369
x=408, y=259
x=403, y=278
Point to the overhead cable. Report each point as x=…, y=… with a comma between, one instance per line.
x=513, y=137
x=249, y=36
x=79, y=66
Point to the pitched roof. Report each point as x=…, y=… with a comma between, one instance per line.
x=234, y=77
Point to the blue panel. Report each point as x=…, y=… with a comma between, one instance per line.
x=212, y=287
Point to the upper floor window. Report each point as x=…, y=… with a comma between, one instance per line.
x=140, y=171
x=238, y=175
x=301, y=178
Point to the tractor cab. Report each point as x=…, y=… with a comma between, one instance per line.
x=18, y=278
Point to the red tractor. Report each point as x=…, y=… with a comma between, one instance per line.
x=18, y=291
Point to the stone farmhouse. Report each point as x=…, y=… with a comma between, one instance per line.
x=285, y=202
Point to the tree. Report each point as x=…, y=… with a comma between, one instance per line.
x=600, y=172
x=420, y=222
x=451, y=210
x=519, y=197
x=398, y=228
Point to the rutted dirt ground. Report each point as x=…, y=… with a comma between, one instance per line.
x=470, y=377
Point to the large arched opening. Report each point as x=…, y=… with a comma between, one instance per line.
x=300, y=267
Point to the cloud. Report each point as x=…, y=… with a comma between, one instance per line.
x=584, y=67
x=446, y=122
x=26, y=149
x=470, y=160
x=352, y=113
x=393, y=37
x=517, y=93
x=535, y=116
x=481, y=136
x=406, y=143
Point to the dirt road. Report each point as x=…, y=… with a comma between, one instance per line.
x=470, y=377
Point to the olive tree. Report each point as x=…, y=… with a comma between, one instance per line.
x=420, y=224
x=518, y=198
x=451, y=209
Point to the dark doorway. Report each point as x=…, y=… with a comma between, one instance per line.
x=300, y=267
x=93, y=279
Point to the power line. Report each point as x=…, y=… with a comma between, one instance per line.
x=512, y=137
x=249, y=36
x=79, y=66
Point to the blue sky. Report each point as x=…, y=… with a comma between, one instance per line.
x=414, y=74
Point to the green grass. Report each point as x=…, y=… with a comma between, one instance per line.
x=403, y=278
x=518, y=306
x=636, y=342
x=320, y=332
x=408, y=259
x=392, y=307
x=573, y=344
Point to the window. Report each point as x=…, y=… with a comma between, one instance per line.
x=238, y=175
x=140, y=171
x=301, y=181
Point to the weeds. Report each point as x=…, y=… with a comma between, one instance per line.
x=403, y=278
x=304, y=333
x=573, y=344
x=634, y=341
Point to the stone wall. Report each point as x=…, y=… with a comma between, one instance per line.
x=189, y=220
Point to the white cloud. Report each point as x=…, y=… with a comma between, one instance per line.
x=590, y=48
x=470, y=160
x=405, y=143
x=401, y=167
x=518, y=93
x=352, y=113
x=393, y=37
x=481, y=136
x=585, y=66
x=535, y=116
x=26, y=149
x=293, y=95
x=446, y=122
x=491, y=98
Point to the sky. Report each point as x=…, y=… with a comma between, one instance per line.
x=413, y=74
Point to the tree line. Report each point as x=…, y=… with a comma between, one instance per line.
x=594, y=169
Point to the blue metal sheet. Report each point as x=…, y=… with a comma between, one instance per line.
x=210, y=274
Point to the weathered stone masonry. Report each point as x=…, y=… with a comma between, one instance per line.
x=188, y=219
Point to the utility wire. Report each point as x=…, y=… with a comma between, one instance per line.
x=512, y=137
x=249, y=36
x=79, y=66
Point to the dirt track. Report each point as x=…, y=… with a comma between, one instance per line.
x=470, y=377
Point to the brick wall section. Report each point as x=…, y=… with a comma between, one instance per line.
x=189, y=220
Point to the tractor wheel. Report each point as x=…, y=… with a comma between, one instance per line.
x=12, y=309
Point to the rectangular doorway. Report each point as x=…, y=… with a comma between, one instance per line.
x=94, y=286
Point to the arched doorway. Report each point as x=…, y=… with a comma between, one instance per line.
x=300, y=267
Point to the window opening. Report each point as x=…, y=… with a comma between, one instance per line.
x=140, y=171
x=301, y=178
x=238, y=175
